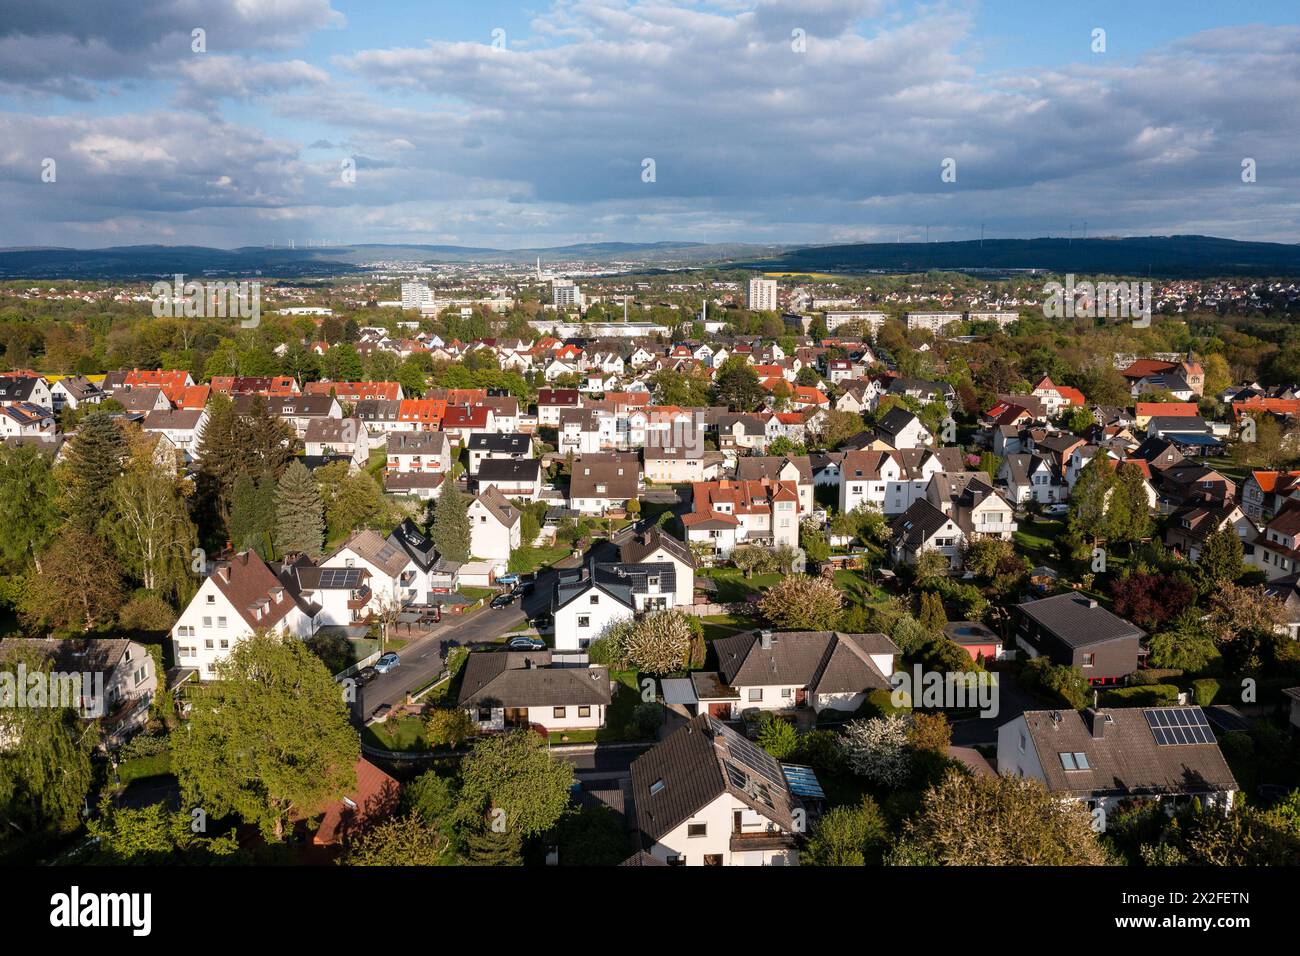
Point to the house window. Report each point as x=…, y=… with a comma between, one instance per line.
x=1074, y=761
x=1022, y=741
x=212, y=599
x=787, y=691
x=484, y=715
x=207, y=622
x=559, y=713
x=755, y=693
x=697, y=829
x=584, y=620
x=1089, y=659
x=225, y=644
x=208, y=643
x=584, y=710
x=221, y=622
x=595, y=599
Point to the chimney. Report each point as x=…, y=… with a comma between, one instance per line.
x=1091, y=603
x=1096, y=723
x=765, y=640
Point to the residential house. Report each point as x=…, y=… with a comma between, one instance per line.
x=347, y=437
x=502, y=690
x=822, y=670
x=1106, y=758
x=495, y=524
x=515, y=478
x=604, y=482
x=921, y=528
x=902, y=429
x=241, y=595
x=656, y=547
x=585, y=605
x=1074, y=630
x=728, y=513
x=705, y=796
x=508, y=446
x=794, y=468
x=419, y=453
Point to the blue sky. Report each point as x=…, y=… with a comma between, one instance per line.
x=753, y=137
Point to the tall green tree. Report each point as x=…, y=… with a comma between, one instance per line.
x=1128, y=514
x=269, y=740
x=512, y=780
x=151, y=527
x=1088, y=498
x=737, y=386
x=252, y=514
x=1222, y=559
x=46, y=776
x=299, y=512
x=450, y=530
x=94, y=460
x=29, y=514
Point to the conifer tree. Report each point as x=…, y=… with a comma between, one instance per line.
x=300, y=514
x=450, y=530
x=95, y=457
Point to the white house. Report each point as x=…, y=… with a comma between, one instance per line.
x=656, y=547
x=495, y=526
x=704, y=796
x=584, y=607
x=502, y=690
x=240, y=596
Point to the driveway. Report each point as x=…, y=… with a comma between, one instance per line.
x=423, y=658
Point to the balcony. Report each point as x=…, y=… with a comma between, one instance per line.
x=359, y=598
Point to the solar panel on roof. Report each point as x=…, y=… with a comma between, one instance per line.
x=1174, y=726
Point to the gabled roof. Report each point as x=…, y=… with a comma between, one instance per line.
x=498, y=506
x=508, y=470
x=826, y=662
x=698, y=763
x=527, y=679
x=636, y=550
x=1127, y=758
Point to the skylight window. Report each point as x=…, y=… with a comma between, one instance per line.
x=1074, y=761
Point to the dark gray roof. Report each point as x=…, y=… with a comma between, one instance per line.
x=415, y=543
x=637, y=576
x=895, y=420
x=918, y=524
x=508, y=469
x=512, y=444
x=1078, y=621
x=527, y=679
x=636, y=550
x=1126, y=759
x=698, y=763
x=826, y=662
x=573, y=584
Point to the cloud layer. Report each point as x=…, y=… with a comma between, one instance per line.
x=818, y=121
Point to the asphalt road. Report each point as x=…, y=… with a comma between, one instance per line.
x=423, y=658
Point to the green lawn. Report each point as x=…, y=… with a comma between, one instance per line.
x=724, y=625
x=1035, y=538
x=732, y=586
x=141, y=768
x=529, y=559
x=857, y=588
x=400, y=733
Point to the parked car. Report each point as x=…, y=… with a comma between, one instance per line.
x=381, y=712
x=541, y=621
x=387, y=663
x=505, y=599
x=507, y=580
x=366, y=675
x=526, y=644
x=1057, y=509
x=522, y=588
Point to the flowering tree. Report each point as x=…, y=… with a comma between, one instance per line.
x=878, y=749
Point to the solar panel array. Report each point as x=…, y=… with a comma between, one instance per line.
x=1179, y=725
x=339, y=577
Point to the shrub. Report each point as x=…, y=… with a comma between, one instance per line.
x=777, y=737
x=646, y=719
x=1204, y=691
x=1151, y=695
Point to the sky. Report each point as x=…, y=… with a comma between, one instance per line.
x=510, y=125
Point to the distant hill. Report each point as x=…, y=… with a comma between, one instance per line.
x=1160, y=256
x=149, y=262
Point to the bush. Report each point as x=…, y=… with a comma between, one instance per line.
x=1056, y=682
x=646, y=719
x=1204, y=691
x=879, y=703
x=1151, y=695
x=777, y=737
